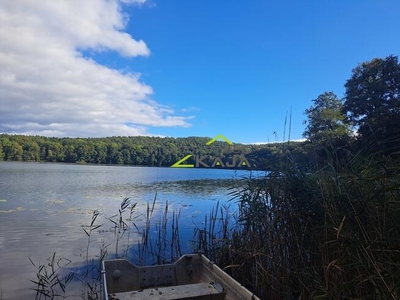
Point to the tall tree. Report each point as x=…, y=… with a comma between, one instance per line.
x=372, y=99
x=12, y=151
x=1, y=151
x=326, y=120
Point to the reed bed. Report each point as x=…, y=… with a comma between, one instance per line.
x=331, y=232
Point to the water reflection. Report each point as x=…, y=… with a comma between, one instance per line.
x=44, y=208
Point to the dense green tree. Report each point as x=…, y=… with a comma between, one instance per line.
x=31, y=151
x=126, y=155
x=138, y=150
x=70, y=152
x=372, y=99
x=114, y=154
x=100, y=153
x=326, y=120
x=84, y=150
x=13, y=151
x=1, y=152
x=3, y=141
x=52, y=151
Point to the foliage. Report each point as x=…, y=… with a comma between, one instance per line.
x=326, y=120
x=372, y=99
x=137, y=150
x=49, y=283
x=330, y=233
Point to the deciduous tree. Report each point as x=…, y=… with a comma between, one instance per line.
x=372, y=99
x=326, y=120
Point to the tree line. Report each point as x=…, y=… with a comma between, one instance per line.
x=135, y=150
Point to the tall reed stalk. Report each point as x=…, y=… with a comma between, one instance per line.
x=49, y=283
x=330, y=232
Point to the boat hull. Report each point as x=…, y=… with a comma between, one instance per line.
x=193, y=276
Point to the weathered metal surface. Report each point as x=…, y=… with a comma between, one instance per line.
x=198, y=291
x=192, y=276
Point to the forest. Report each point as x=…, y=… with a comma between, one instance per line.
x=137, y=150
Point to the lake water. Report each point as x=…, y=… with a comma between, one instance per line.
x=43, y=207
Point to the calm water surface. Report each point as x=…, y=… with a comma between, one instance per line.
x=44, y=205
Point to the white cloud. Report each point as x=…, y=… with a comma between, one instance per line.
x=133, y=1
x=47, y=86
x=189, y=109
x=277, y=142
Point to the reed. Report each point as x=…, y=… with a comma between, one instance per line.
x=120, y=227
x=144, y=247
x=330, y=233
x=91, y=275
x=162, y=247
x=49, y=283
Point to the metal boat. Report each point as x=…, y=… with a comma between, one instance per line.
x=192, y=276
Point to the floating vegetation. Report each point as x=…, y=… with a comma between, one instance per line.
x=55, y=201
x=203, y=186
x=71, y=210
x=17, y=209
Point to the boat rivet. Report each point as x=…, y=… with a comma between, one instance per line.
x=116, y=274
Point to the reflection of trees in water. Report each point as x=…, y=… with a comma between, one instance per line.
x=183, y=187
x=200, y=186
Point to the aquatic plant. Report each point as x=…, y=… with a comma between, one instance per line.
x=332, y=231
x=162, y=247
x=120, y=226
x=49, y=283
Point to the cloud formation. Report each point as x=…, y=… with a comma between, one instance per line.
x=49, y=88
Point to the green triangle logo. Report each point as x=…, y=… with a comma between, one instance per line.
x=219, y=136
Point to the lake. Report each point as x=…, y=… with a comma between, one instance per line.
x=44, y=206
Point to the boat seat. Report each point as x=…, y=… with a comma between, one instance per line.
x=194, y=291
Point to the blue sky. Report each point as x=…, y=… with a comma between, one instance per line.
x=182, y=68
